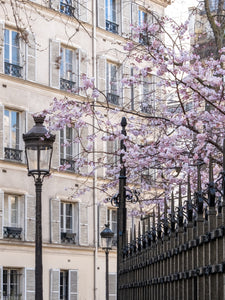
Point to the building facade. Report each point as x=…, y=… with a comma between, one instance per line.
x=45, y=47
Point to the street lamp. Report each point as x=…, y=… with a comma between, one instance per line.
x=106, y=239
x=38, y=151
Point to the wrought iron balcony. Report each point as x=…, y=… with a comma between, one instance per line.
x=146, y=108
x=67, y=9
x=113, y=98
x=12, y=232
x=143, y=39
x=112, y=26
x=68, y=237
x=71, y=164
x=68, y=85
x=13, y=154
x=13, y=70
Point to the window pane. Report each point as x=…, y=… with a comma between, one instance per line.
x=6, y=129
x=14, y=210
x=5, y=281
x=14, y=129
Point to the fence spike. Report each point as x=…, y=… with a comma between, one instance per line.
x=210, y=169
x=199, y=176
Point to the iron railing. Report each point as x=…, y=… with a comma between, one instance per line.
x=13, y=154
x=113, y=98
x=112, y=26
x=71, y=165
x=12, y=232
x=67, y=9
x=68, y=85
x=67, y=237
x=13, y=70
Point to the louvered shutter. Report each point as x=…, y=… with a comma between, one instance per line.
x=73, y=285
x=22, y=215
x=1, y=131
x=101, y=71
x=24, y=129
x=30, y=207
x=101, y=14
x=29, y=284
x=83, y=218
x=54, y=63
x=102, y=219
x=120, y=87
x=83, y=10
x=31, y=58
x=126, y=89
x=1, y=213
x=83, y=68
x=126, y=17
x=119, y=15
x=112, y=286
x=1, y=47
x=55, y=220
x=134, y=18
x=100, y=156
x=22, y=46
x=54, y=284
x=56, y=151
x=83, y=147
x=1, y=282
x=110, y=152
x=55, y=4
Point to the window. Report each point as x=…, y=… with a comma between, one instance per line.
x=64, y=285
x=69, y=149
x=112, y=83
x=11, y=284
x=12, y=53
x=69, y=8
x=12, y=135
x=148, y=95
x=112, y=221
x=142, y=19
x=213, y=5
x=110, y=16
x=68, y=221
x=69, y=70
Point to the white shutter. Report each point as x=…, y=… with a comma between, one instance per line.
x=119, y=15
x=54, y=63
x=22, y=215
x=55, y=4
x=83, y=224
x=126, y=17
x=83, y=147
x=73, y=285
x=56, y=151
x=31, y=58
x=112, y=286
x=1, y=282
x=22, y=45
x=102, y=219
x=120, y=86
x=23, y=129
x=101, y=14
x=2, y=46
x=101, y=75
x=1, y=213
x=29, y=284
x=54, y=284
x=55, y=220
x=134, y=17
x=126, y=89
x=1, y=131
x=30, y=207
x=83, y=10
x=83, y=68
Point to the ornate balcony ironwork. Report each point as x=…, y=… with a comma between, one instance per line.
x=13, y=154
x=146, y=108
x=68, y=85
x=68, y=237
x=113, y=98
x=67, y=9
x=12, y=232
x=13, y=70
x=112, y=26
x=70, y=163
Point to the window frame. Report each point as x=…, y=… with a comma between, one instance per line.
x=112, y=79
x=64, y=217
x=9, y=209
x=18, y=129
x=112, y=223
x=8, y=282
x=64, y=287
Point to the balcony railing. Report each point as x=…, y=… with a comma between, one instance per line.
x=146, y=108
x=67, y=237
x=12, y=232
x=70, y=163
x=113, y=98
x=67, y=9
x=112, y=26
x=68, y=85
x=13, y=70
x=13, y=154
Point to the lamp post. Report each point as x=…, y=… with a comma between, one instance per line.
x=38, y=151
x=106, y=239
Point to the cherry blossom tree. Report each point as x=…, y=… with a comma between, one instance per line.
x=163, y=146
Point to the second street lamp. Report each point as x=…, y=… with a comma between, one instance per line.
x=107, y=239
x=38, y=151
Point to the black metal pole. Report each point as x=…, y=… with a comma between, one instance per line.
x=38, y=243
x=121, y=211
x=107, y=274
